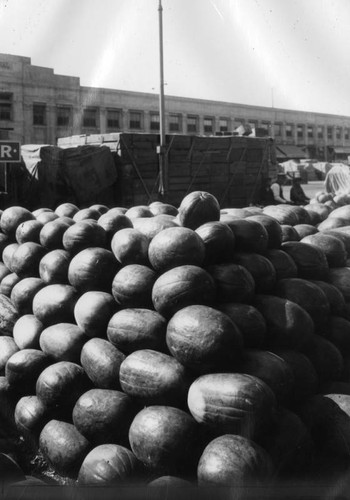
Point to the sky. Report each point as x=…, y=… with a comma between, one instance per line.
x=292, y=54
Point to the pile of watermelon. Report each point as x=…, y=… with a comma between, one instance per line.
x=171, y=346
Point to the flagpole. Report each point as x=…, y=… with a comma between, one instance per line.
x=161, y=149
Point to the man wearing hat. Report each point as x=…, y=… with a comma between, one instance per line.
x=277, y=188
x=297, y=195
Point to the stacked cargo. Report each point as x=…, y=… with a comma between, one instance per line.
x=229, y=167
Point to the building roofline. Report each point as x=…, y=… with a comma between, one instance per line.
x=212, y=101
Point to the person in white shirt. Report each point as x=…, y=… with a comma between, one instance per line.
x=277, y=188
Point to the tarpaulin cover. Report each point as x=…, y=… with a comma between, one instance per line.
x=31, y=157
x=88, y=170
x=338, y=179
x=57, y=175
x=45, y=186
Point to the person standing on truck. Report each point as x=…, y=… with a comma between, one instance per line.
x=277, y=189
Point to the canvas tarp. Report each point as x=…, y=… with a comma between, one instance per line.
x=46, y=185
x=338, y=179
x=81, y=175
x=31, y=155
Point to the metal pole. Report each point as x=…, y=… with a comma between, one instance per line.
x=5, y=178
x=161, y=150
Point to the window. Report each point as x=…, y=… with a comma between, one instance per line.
x=338, y=132
x=39, y=114
x=320, y=132
x=135, y=119
x=90, y=117
x=208, y=124
x=310, y=131
x=278, y=128
x=5, y=106
x=155, y=123
x=300, y=131
x=329, y=132
x=175, y=123
x=346, y=134
x=192, y=123
x=63, y=116
x=223, y=125
x=114, y=118
x=289, y=130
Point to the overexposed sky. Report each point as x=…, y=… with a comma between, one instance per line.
x=292, y=54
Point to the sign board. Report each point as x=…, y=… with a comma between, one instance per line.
x=10, y=151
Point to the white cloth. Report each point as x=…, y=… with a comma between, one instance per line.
x=337, y=180
x=276, y=188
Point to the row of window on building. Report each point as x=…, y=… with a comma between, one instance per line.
x=117, y=119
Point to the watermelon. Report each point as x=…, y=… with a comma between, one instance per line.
x=289, y=326
x=133, y=329
x=101, y=362
x=162, y=437
x=63, y=446
x=180, y=287
x=203, y=338
x=197, y=208
x=132, y=286
x=153, y=377
x=235, y=403
x=103, y=416
x=234, y=461
x=233, y=282
x=108, y=465
x=176, y=246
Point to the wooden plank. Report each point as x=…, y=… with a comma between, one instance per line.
x=144, y=156
x=179, y=142
x=142, y=137
x=199, y=156
x=218, y=156
x=220, y=170
x=176, y=183
x=254, y=155
x=235, y=171
x=236, y=154
x=180, y=188
x=74, y=140
x=179, y=172
x=205, y=143
x=179, y=155
x=144, y=146
x=200, y=186
x=138, y=188
x=111, y=137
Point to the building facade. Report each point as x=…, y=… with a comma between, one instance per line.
x=38, y=106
